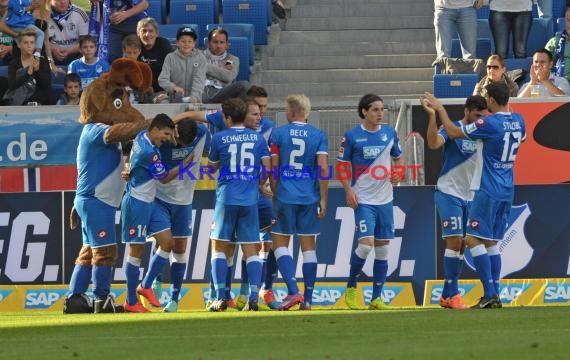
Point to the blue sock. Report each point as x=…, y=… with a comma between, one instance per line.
x=157, y=262
x=379, y=277
x=101, y=281
x=309, y=277
x=287, y=269
x=80, y=279
x=254, y=272
x=356, y=265
x=450, y=269
x=228, y=287
x=270, y=271
x=219, y=273
x=213, y=293
x=496, y=270
x=244, y=286
x=132, y=272
x=483, y=267
x=263, y=258
x=176, y=277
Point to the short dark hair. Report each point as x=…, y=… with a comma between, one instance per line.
x=365, y=103
x=131, y=41
x=249, y=100
x=498, y=91
x=161, y=121
x=257, y=91
x=187, y=130
x=476, y=102
x=71, y=78
x=544, y=51
x=87, y=38
x=235, y=109
x=217, y=31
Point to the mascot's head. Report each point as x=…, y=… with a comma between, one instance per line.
x=106, y=101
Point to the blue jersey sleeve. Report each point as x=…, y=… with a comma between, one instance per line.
x=396, y=150
x=216, y=119
x=441, y=132
x=323, y=144
x=214, y=155
x=479, y=129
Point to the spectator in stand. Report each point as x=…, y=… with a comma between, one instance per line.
x=561, y=52
x=125, y=15
x=154, y=48
x=71, y=90
x=36, y=67
x=542, y=82
x=5, y=39
x=89, y=67
x=495, y=73
x=510, y=16
x=451, y=17
x=68, y=22
x=221, y=71
x=545, y=9
x=184, y=70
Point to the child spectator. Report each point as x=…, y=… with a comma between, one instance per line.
x=71, y=90
x=131, y=50
x=89, y=67
x=184, y=70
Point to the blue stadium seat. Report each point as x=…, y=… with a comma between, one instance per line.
x=4, y=71
x=154, y=10
x=483, y=12
x=239, y=46
x=558, y=8
x=246, y=30
x=248, y=12
x=483, y=48
x=199, y=12
x=168, y=31
x=57, y=83
x=514, y=64
x=560, y=25
x=454, y=86
x=269, y=12
x=540, y=33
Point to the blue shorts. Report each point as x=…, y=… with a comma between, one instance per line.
x=488, y=217
x=453, y=213
x=265, y=219
x=375, y=221
x=177, y=218
x=97, y=221
x=135, y=217
x=235, y=222
x=291, y=219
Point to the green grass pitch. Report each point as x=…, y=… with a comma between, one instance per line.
x=509, y=333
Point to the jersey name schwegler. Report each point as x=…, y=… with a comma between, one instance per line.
x=239, y=138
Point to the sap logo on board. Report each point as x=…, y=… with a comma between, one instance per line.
x=557, y=293
x=328, y=295
x=164, y=296
x=437, y=290
x=510, y=292
x=388, y=293
x=43, y=299
x=5, y=293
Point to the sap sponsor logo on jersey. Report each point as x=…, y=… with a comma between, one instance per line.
x=43, y=299
x=516, y=252
x=388, y=293
x=468, y=146
x=5, y=293
x=511, y=292
x=371, y=152
x=557, y=293
x=437, y=290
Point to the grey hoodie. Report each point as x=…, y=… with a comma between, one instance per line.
x=187, y=72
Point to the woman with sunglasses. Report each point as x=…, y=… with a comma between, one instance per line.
x=495, y=74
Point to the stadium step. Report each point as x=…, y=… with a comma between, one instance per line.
x=354, y=48
x=353, y=88
x=356, y=36
x=350, y=9
x=360, y=23
x=347, y=62
x=342, y=75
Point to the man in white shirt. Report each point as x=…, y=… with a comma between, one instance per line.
x=543, y=83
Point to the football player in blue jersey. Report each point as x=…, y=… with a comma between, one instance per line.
x=239, y=153
x=98, y=194
x=365, y=154
x=171, y=216
x=498, y=137
x=145, y=168
x=453, y=194
x=299, y=157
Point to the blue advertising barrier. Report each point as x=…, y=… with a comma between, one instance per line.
x=39, y=138
x=412, y=253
